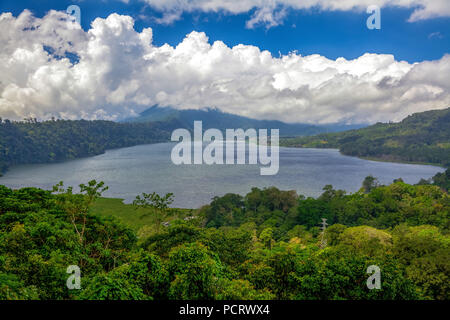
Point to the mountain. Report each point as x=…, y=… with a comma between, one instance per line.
x=214, y=118
x=422, y=137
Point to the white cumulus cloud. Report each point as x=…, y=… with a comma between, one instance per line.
x=268, y=11
x=119, y=73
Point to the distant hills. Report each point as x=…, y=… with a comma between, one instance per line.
x=54, y=141
x=214, y=118
x=422, y=137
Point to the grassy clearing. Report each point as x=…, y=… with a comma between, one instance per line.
x=142, y=221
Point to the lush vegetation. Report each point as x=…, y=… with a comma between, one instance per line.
x=265, y=245
x=442, y=180
x=51, y=141
x=421, y=137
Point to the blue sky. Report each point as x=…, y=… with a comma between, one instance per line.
x=330, y=34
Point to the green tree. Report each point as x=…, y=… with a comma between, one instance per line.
x=193, y=272
x=158, y=204
x=266, y=238
x=112, y=286
x=442, y=180
x=370, y=183
x=425, y=253
x=77, y=206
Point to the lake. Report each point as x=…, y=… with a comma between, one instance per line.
x=148, y=168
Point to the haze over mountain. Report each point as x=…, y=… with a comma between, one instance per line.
x=215, y=118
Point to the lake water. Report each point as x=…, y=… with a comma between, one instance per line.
x=148, y=168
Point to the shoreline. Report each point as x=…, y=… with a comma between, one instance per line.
x=375, y=158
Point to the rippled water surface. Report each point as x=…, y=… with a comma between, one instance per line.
x=148, y=168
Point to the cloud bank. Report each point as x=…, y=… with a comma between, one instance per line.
x=271, y=12
x=118, y=73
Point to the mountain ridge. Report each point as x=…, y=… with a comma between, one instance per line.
x=422, y=137
x=215, y=118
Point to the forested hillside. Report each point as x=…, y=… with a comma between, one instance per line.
x=266, y=245
x=52, y=141
x=422, y=137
